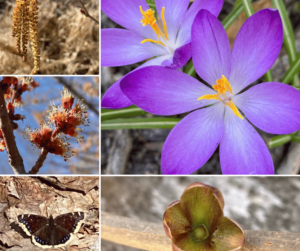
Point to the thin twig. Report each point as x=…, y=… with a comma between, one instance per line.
x=15, y=159
x=39, y=163
x=86, y=13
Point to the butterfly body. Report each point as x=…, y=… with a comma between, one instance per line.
x=51, y=232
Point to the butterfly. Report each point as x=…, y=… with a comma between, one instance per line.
x=51, y=232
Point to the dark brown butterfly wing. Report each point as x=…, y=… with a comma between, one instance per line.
x=70, y=221
x=31, y=223
x=43, y=237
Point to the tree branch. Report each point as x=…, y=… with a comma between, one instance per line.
x=39, y=163
x=15, y=159
x=86, y=13
x=64, y=82
x=151, y=236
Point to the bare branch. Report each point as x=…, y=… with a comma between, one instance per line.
x=86, y=13
x=151, y=236
x=39, y=163
x=15, y=159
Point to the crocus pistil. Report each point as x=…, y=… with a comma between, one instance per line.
x=225, y=95
x=149, y=19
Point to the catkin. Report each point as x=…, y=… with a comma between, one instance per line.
x=25, y=25
x=34, y=39
x=25, y=29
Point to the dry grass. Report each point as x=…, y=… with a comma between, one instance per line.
x=69, y=41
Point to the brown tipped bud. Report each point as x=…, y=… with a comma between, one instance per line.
x=18, y=117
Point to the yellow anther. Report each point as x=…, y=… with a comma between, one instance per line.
x=164, y=22
x=153, y=41
x=148, y=18
x=210, y=96
x=234, y=109
x=222, y=87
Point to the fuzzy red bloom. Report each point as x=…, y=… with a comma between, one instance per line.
x=2, y=145
x=10, y=107
x=40, y=138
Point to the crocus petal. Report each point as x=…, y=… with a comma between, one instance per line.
x=213, y=6
x=128, y=15
x=210, y=48
x=174, y=13
x=163, y=91
x=114, y=98
x=201, y=207
x=228, y=236
x=122, y=47
x=181, y=56
x=242, y=150
x=272, y=107
x=256, y=48
x=192, y=141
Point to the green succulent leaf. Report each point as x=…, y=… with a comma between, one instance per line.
x=175, y=219
x=228, y=236
x=186, y=242
x=201, y=206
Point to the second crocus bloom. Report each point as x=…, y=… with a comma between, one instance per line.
x=164, y=39
x=272, y=107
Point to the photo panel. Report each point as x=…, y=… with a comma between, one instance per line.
x=200, y=87
x=53, y=213
x=49, y=125
x=49, y=37
x=200, y=213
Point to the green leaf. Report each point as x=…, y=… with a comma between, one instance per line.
x=229, y=19
x=294, y=70
x=280, y=140
x=140, y=123
x=132, y=111
x=237, y=10
x=288, y=36
x=151, y=4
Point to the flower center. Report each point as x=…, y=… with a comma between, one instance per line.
x=200, y=233
x=224, y=95
x=148, y=18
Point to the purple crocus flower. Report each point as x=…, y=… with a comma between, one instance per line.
x=272, y=107
x=166, y=41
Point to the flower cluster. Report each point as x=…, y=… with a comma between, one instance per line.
x=63, y=119
x=196, y=222
x=68, y=119
x=43, y=138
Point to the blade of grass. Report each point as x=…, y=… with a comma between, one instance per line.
x=294, y=70
x=132, y=111
x=140, y=123
x=249, y=12
x=288, y=36
x=228, y=20
x=279, y=140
